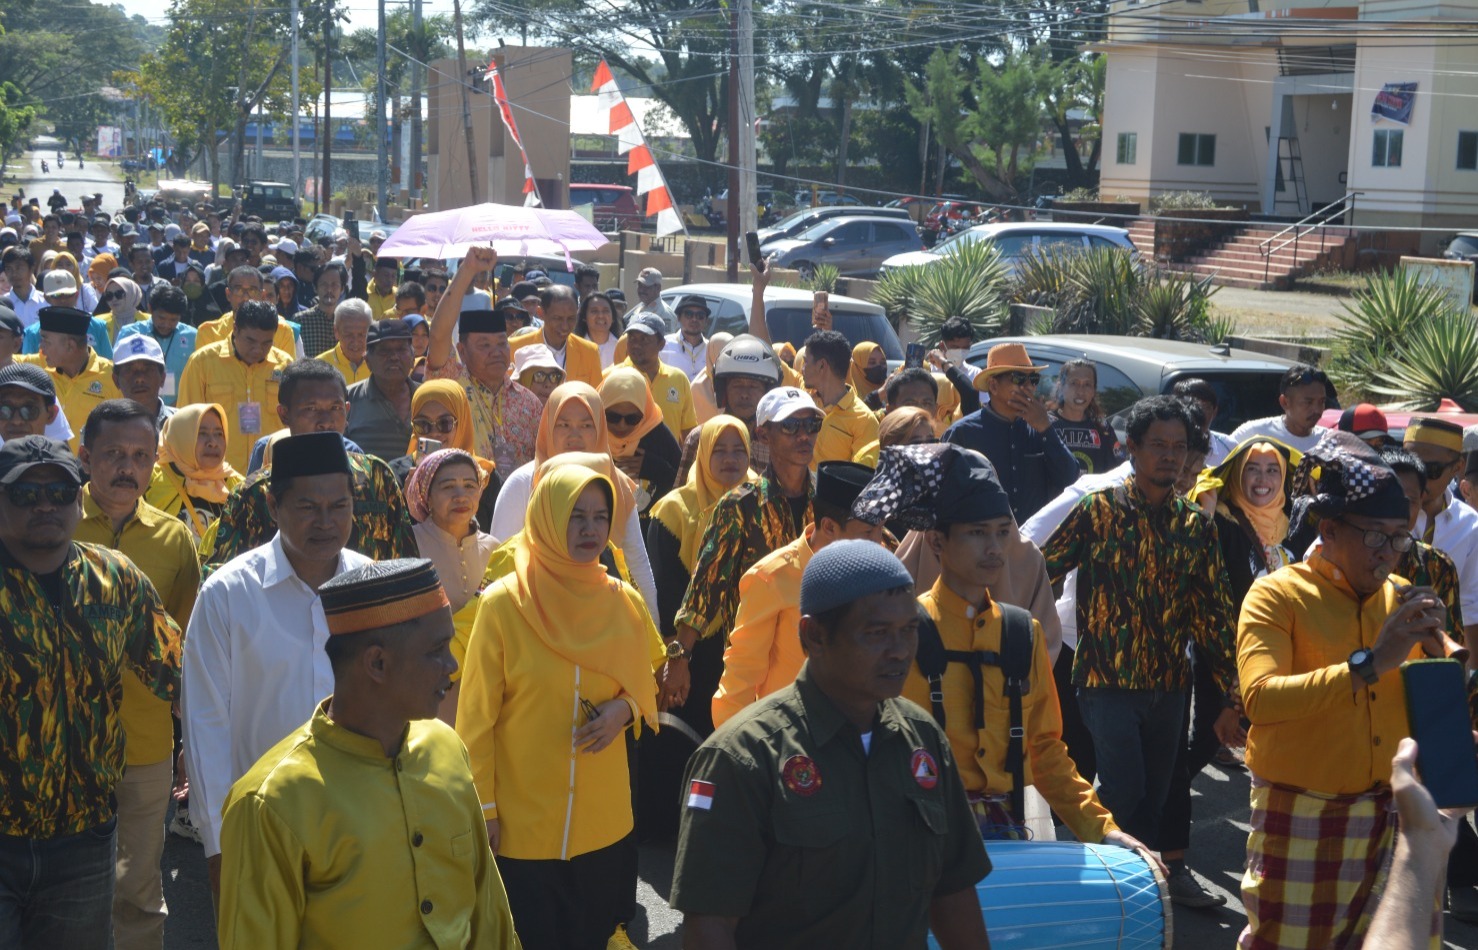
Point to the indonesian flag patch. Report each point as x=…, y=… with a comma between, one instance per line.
x=700, y=795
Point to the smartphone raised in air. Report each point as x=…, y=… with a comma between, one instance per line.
x=1437, y=711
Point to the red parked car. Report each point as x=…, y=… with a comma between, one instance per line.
x=614, y=207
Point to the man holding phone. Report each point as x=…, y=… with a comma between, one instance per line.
x=1319, y=649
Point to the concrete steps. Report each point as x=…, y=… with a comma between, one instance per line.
x=1239, y=261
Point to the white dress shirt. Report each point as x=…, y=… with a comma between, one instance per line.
x=1456, y=535
x=689, y=358
x=511, y=510
x=254, y=670
x=1039, y=528
x=29, y=310
x=607, y=352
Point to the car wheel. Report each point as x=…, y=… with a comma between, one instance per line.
x=806, y=269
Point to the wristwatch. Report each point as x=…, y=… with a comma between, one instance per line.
x=1362, y=664
x=676, y=651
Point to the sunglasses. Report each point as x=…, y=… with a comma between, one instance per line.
x=114, y=295
x=692, y=313
x=1024, y=379
x=542, y=376
x=29, y=494
x=442, y=426
x=436, y=288
x=621, y=418
x=1436, y=470
x=26, y=413
x=810, y=425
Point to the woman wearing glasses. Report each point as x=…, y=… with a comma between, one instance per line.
x=642, y=446
x=441, y=418
x=121, y=301
x=574, y=420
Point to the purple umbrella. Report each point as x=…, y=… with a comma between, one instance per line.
x=511, y=230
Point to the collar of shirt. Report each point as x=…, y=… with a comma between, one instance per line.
x=1326, y=569
x=332, y=734
x=824, y=720
x=772, y=494
x=279, y=570
x=142, y=513
x=949, y=602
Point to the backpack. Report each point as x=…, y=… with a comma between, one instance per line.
x=1015, y=661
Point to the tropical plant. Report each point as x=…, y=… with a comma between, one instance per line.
x=1437, y=359
x=1182, y=201
x=971, y=281
x=824, y=277
x=1174, y=307
x=1381, y=315
x=1105, y=290
x=896, y=292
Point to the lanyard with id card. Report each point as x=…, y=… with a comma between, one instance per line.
x=249, y=416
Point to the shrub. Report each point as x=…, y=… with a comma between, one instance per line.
x=1436, y=360
x=1382, y=314
x=1182, y=201
x=824, y=277
x=971, y=282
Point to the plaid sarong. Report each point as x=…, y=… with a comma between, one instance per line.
x=1315, y=868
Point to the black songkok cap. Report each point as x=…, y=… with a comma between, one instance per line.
x=317, y=453
x=64, y=320
x=481, y=321
x=839, y=483
x=381, y=594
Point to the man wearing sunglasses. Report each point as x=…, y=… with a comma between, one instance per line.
x=28, y=403
x=1015, y=432
x=380, y=407
x=577, y=356
x=79, y=617
x=687, y=349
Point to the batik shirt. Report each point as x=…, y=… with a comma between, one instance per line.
x=1149, y=577
x=1425, y=566
x=504, y=423
x=63, y=649
x=382, y=523
x=748, y=523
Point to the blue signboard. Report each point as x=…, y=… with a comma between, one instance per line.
x=1394, y=102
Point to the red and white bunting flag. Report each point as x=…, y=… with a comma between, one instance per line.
x=500, y=96
x=633, y=144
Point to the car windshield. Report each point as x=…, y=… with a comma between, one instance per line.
x=792, y=220
x=958, y=241
x=819, y=229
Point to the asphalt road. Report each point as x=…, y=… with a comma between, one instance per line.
x=1217, y=852
x=73, y=182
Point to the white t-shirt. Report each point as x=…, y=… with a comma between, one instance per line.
x=1274, y=427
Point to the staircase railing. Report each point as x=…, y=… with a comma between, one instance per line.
x=1317, y=220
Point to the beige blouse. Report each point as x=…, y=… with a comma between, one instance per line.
x=460, y=563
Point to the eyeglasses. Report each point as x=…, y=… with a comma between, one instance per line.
x=1375, y=540
x=29, y=494
x=622, y=418
x=445, y=425
x=691, y=312
x=1024, y=379
x=810, y=425
x=114, y=295
x=555, y=376
x=436, y=288
x=1436, y=470
x=26, y=413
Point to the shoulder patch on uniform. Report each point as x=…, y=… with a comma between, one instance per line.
x=925, y=770
x=700, y=794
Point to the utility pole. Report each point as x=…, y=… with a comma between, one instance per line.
x=382, y=177
x=297, y=108
x=748, y=185
x=731, y=216
x=466, y=107
x=417, y=81
x=325, y=189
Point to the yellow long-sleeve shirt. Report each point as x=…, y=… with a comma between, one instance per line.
x=518, y=711
x=351, y=373
x=581, y=357
x=1316, y=726
x=327, y=842
x=848, y=427
x=79, y=395
x=981, y=754
x=764, y=652
x=248, y=393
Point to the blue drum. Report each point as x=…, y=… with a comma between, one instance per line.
x=1042, y=894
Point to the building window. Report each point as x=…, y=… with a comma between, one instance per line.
x=1196, y=149
x=1387, y=152
x=1128, y=151
x=1467, y=151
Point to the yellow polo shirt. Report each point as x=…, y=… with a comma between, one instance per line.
x=248, y=393
x=77, y=395
x=351, y=373
x=673, y=395
x=214, y=331
x=162, y=548
x=847, y=429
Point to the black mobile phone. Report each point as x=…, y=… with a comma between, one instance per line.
x=914, y=356
x=1437, y=710
x=756, y=256
x=352, y=226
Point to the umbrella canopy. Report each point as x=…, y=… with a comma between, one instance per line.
x=511, y=230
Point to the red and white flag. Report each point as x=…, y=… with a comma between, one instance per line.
x=639, y=162
x=700, y=795
x=500, y=96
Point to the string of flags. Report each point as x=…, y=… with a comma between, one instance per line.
x=500, y=96
x=639, y=161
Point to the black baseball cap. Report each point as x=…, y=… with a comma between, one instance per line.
x=392, y=328
x=19, y=456
x=30, y=377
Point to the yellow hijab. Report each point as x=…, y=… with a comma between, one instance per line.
x=1269, y=521
x=945, y=405
x=449, y=393
x=177, y=449
x=573, y=391
x=627, y=384
x=687, y=510
x=576, y=609
x=861, y=353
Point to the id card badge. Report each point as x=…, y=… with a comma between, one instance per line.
x=169, y=386
x=249, y=416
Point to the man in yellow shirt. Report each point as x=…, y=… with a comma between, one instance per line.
x=764, y=652
x=376, y=768
x=381, y=291
x=81, y=377
x=1319, y=648
x=242, y=284
x=646, y=334
x=577, y=356
x=352, y=321
x=849, y=425
x=119, y=448
x=241, y=374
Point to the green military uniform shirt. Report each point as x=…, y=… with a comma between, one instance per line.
x=789, y=825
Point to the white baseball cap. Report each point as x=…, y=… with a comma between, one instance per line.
x=58, y=283
x=781, y=403
x=138, y=347
x=534, y=356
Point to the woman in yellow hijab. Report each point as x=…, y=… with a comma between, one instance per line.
x=440, y=412
x=869, y=369
x=561, y=662
x=705, y=403
x=193, y=480
x=642, y=446
x=675, y=531
x=1249, y=493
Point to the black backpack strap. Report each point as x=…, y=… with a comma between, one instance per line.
x=1016, y=663
x=932, y=659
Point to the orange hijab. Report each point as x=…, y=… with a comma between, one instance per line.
x=627, y=384
x=449, y=393
x=577, y=610
x=861, y=353
x=565, y=393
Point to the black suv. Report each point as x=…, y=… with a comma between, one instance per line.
x=269, y=200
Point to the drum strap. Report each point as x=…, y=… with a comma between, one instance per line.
x=1015, y=661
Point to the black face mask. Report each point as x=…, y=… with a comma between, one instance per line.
x=875, y=374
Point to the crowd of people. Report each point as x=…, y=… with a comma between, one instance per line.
x=423, y=597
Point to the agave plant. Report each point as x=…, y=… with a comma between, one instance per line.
x=824, y=277
x=971, y=282
x=1172, y=307
x=1105, y=285
x=1382, y=315
x=1437, y=359
x=896, y=292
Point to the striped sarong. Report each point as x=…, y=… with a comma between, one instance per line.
x=1315, y=868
